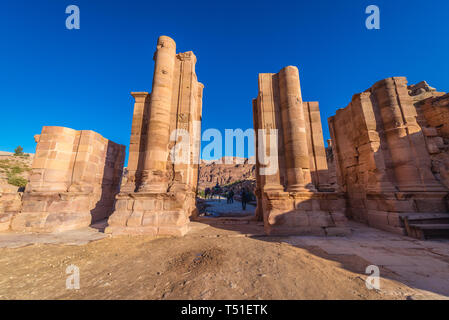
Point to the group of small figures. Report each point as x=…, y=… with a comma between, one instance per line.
x=217, y=192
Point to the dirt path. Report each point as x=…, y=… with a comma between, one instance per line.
x=220, y=208
x=209, y=263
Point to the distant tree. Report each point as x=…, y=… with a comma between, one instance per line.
x=18, y=151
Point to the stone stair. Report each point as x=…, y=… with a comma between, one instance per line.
x=426, y=226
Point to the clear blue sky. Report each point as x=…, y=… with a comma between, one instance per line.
x=82, y=78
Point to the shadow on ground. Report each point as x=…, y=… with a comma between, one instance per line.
x=423, y=265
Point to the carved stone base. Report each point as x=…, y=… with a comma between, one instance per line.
x=53, y=212
x=305, y=213
x=10, y=205
x=154, y=214
x=384, y=210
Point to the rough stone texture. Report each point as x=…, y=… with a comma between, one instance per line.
x=382, y=154
x=239, y=173
x=297, y=198
x=10, y=205
x=74, y=179
x=159, y=196
x=434, y=115
x=10, y=195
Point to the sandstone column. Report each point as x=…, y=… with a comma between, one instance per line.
x=167, y=129
x=137, y=141
x=317, y=151
x=266, y=118
x=155, y=178
x=397, y=125
x=295, y=137
x=288, y=202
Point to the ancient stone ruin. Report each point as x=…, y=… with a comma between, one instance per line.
x=75, y=177
x=10, y=205
x=387, y=163
x=296, y=198
x=160, y=194
x=391, y=162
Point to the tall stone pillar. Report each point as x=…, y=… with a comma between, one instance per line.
x=137, y=143
x=317, y=151
x=167, y=133
x=404, y=137
x=295, y=138
x=287, y=200
x=154, y=177
x=267, y=117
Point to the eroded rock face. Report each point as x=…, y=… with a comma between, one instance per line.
x=296, y=198
x=11, y=195
x=387, y=154
x=160, y=193
x=73, y=182
x=10, y=205
x=420, y=89
x=238, y=172
x=434, y=112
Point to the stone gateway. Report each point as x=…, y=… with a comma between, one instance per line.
x=387, y=164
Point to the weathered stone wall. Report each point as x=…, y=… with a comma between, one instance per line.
x=433, y=112
x=382, y=159
x=74, y=179
x=160, y=194
x=436, y=113
x=297, y=198
x=10, y=205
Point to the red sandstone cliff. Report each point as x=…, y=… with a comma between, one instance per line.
x=241, y=173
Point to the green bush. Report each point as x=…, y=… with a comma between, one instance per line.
x=17, y=170
x=17, y=181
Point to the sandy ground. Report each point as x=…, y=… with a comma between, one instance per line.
x=224, y=261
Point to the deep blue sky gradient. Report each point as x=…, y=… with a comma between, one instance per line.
x=82, y=78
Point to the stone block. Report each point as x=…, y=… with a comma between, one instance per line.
x=135, y=220
x=65, y=191
x=320, y=219
x=172, y=218
x=151, y=218
x=377, y=218
x=303, y=204
x=431, y=205
x=430, y=131
x=332, y=205
x=339, y=218
x=405, y=205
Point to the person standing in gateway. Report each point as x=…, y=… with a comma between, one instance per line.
x=245, y=198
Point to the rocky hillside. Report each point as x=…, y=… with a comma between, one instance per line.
x=14, y=171
x=241, y=172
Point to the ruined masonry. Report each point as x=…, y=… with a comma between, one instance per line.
x=387, y=164
x=390, y=148
x=297, y=198
x=160, y=194
x=75, y=177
